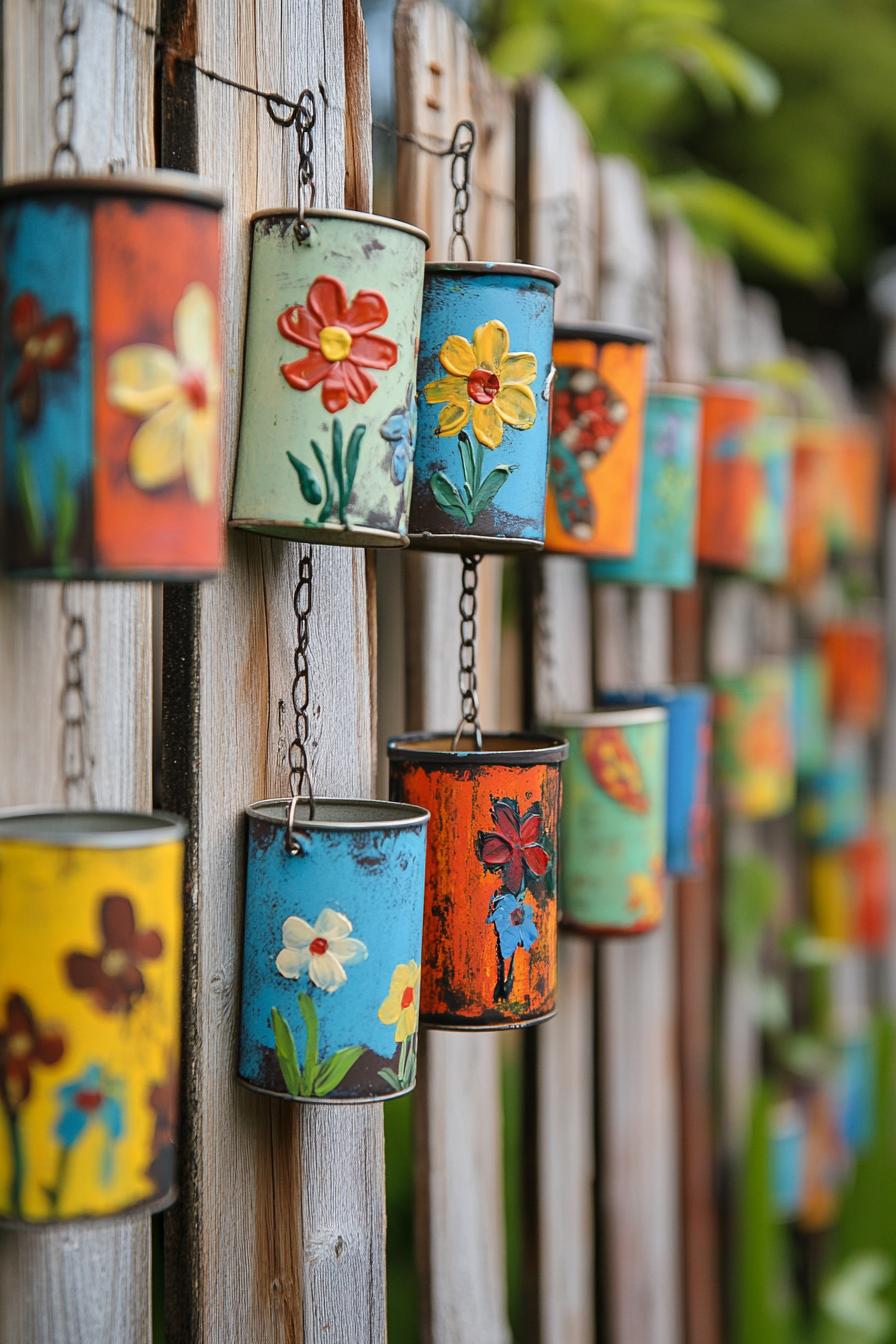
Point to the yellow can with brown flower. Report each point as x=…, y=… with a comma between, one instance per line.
x=91, y=912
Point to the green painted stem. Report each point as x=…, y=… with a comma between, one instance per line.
x=18, y=1163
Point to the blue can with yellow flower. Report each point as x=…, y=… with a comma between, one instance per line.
x=331, y=949
x=483, y=379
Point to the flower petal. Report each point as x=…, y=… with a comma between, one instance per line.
x=297, y=932
x=19, y=1017
x=536, y=859
x=518, y=368
x=25, y=315
x=49, y=1047
x=516, y=406
x=494, y=849
x=367, y=310
x=348, y=950
x=146, y=946
x=117, y=921
x=488, y=425
x=457, y=356
x=530, y=826
x=195, y=328
x=452, y=418
x=141, y=378
x=491, y=343
x=330, y=924
x=292, y=962
x=359, y=385
x=303, y=374
x=199, y=455
x=389, y=1010
x=507, y=820
x=327, y=300
x=55, y=342
x=326, y=972
x=447, y=389
x=298, y=326
x=334, y=393
x=83, y=971
x=514, y=873
x=158, y=448
x=374, y=352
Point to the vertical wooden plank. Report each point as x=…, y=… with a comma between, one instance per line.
x=79, y=1284
x=299, y=1254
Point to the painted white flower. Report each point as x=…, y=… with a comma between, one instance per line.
x=323, y=951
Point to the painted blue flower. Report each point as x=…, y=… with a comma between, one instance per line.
x=92, y=1099
x=399, y=430
x=514, y=923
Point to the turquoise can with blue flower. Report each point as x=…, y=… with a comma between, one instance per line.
x=331, y=949
x=483, y=378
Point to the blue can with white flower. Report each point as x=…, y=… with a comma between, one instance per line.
x=331, y=949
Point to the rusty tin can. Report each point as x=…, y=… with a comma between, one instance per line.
x=731, y=483
x=854, y=655
x=328, y=416
x=490, y=932
x=613, y=824
x=483, y=386
x=111, y=378
x=91, y=911
x=331, y=950
x=597, y=423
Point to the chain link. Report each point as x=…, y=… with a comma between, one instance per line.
x=461, y=150
x=65, y=157
x=77, y=764
x=467, y=678
x=299, y=768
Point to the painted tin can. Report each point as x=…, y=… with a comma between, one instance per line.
x=331, y=950
x=689, y=709
x=830, y=895
x=788, y=1150
x=483, y=381
x=854, y=499
x=327, y=425
x=613, y=823
x=111, y=378
x=813, y=454
x=91, y=910
x=665, y=545
x=855, y=1091
x=834, y=801
x=855, y=660
x=810, y=713
x=868, y=860
x=825, y=1161
x=770, y=449
x=754, y=747
x=490, y=932
x=597, y=436
x=731, y=483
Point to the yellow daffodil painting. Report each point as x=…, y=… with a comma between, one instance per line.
x=401, y=1006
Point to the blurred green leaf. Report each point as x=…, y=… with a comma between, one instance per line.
x=851, y=1298
x=751, y=892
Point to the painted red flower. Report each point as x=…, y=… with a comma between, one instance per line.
x=113, y=974
x=23, y=1043
x=513, y=848
x=337, y=335
x=44, y=343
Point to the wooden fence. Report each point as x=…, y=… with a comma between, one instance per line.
x=280, y=1233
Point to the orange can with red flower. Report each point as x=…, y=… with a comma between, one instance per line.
x=91, y=911
x=111, y=375
x=855, y=664
x=329, y=411
x=490, y=919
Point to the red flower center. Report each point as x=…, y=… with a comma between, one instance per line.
x=318, y=947
x=407, y=997
x=193, y=386
x=88, y=1100
x=516, y=916
x=483, y=386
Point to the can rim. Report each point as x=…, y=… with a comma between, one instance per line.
x=606, y=332
x=669, y=388
x=409, y=814
x=742, y=387
x=614, y=718
x=643, y=699
x=547, y=748
x=359, y=216
x=520, y=268
x=125, y=830
x=164, y=182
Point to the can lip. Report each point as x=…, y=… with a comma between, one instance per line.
x=519, y=268
x=741, y=387
x=80, y=828
x=452, y=542
x=383, y=814
x=607, y=333
x=613, y=718
x=166, y=182
x=611, y=696
x=359, y=216
x=537, y=748
x=669, y=388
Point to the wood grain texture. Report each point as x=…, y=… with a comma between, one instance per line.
x=76, y=1285
x=281, y=1232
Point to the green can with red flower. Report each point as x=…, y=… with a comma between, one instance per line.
x=328, y=419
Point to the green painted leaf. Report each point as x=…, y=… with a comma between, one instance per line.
x=328, y=502
x=467, y=463
x=351, y=460
x=285, y=1045
x=448, y=498
x=311, y=491
x=490, y=487
x=309, y=1015
x=35, y=523
x=334, y=1069
x=66, y=503
x=338, y=476
x=391, y=1077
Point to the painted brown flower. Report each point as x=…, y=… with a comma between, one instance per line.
x=23, y=1043
x=44, y=344
x=163, y=1104
x=112, y=975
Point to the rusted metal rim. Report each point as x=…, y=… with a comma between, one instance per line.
x=323, y=1101
x=324, y=534
x=81, y=829
x=603, y=333
x=342, y=814
x=453, y=542
x=357, y=216
x=499, y=749
x=581, y=929
x=115, y=1216
x=440, y=1022
x=518, y=268
x=617, y=717
x=166, y=184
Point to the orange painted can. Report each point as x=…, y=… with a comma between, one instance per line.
x=813, y=458
x=490, y=922
x=868, y=861
x=731, y=479
x=855, y=663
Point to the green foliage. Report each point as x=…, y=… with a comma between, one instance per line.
x=762, y=1306
x=318, y=1077
x=751, y=891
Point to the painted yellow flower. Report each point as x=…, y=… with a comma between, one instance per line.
x=645, y=893
x=486, y=381
x=402, y=1004
x=175, y=394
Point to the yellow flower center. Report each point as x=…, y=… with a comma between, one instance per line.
x=335, y=343
x=115, y=962
x=19, y=1045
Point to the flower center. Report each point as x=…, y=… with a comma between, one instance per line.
x=516, y=916
x=483, y=386
x=192, y=384
x=318, y=947
x=32, y=347
x=88, y=1100
x=335, y=343
x=19, y=1046
x=114, y=962
x=407, y=997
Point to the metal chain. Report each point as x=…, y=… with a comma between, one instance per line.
x=299, y=768
x=77, y=765
x=461, y=149
x=65, y=156
x=467, y=679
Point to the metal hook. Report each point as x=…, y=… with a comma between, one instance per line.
x=290, y=842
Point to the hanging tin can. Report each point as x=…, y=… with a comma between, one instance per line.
x=854, y=500
x=788, y=1150
x=613, y=822
x=830, y=895
x=754, y=749
x=328, y=416
x=731, y=483
x=813, y=455
x=597, y=434
x=770, y=450
x=810, y=713
x=665, y=546
x=111, y=378
x=483, y=382
x=825, y=1161
x=833, y=802
x=868, y=861
x=687, y=776
x=490, y=932
x=331, y=950
x=91, y=908
x=855, y=1091
x=854, y=656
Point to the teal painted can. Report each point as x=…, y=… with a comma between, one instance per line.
x=834, y=802
x=483, y=380
x=665, y=549
x=328, y=417
x=810, y=713
x=613, y=821
x=787, y=1140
